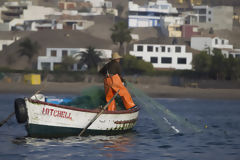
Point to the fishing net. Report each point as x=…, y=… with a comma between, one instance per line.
x=92, y=98
x=161, y=116
x=166, y=121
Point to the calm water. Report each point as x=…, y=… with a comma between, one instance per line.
x=219, y=139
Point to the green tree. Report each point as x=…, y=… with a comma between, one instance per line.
x=217, y=70
x=28, y=48
x=133, y=65
x=202, y=63
x=67, y=63
x=91, y=58
x=121, y=34
x=232, y=68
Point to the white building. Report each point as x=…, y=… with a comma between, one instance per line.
x=164, y=56
x=174, y=20
x=96, y=3
x=218, y=17
x=234, y=52
x=22, y=13
x=55, y=56
x=203, y=14
x=201, y=43
x=151, y=15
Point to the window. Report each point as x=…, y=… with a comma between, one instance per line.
x=209, y=12
x=64, y=53
x=139, y=57
x=169, y=49
x=156, y=49
x=202, y=19
x=202, y=11
x=46, y=65
x=139, y=48
x=237, y=56
x=154, y=60
x=178, y=49
x=163, y=48
x=216, y=41
x=53, y=53
x=182, y=61
x=209, y=19
x=222, y=41
x=149, y=48
x=166, y=60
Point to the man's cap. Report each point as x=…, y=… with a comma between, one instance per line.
x=116, y=56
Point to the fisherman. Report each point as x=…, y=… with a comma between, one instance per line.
x=113, y=82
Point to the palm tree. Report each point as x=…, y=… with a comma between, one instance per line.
x=91, y=58
x=28, y=48
x=120, y=34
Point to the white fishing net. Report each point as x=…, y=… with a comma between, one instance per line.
x=166, y=120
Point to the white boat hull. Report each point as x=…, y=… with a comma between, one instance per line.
x=42, y=115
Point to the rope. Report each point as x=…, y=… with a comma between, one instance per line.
x=5, y=120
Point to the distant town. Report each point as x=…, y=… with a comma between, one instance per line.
x=166, y=34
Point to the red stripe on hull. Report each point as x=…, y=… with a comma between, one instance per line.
x=83, y=110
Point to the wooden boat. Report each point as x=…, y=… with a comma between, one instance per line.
x=44, y=119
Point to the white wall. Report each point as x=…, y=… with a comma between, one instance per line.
x=202, y=43
x=219, y=17
x=5, y=27
x=158, y=6
x=37, y=12
x=143, y=21
x=208, y=13
x=174, y=20
x=96, y=3
x=234, y=52
x=170, y=52
x=161, y=6
x=33, y=13
x=14, y=22
x=222, y=43
x=51, y=60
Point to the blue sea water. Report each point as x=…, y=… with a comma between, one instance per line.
x=218, y=139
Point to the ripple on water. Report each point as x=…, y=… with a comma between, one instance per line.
x=165, y=146
x=215, y=143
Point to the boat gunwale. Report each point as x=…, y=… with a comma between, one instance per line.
x=82, y=109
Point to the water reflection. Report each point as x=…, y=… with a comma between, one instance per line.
x=107, y=145
x=118, y=144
